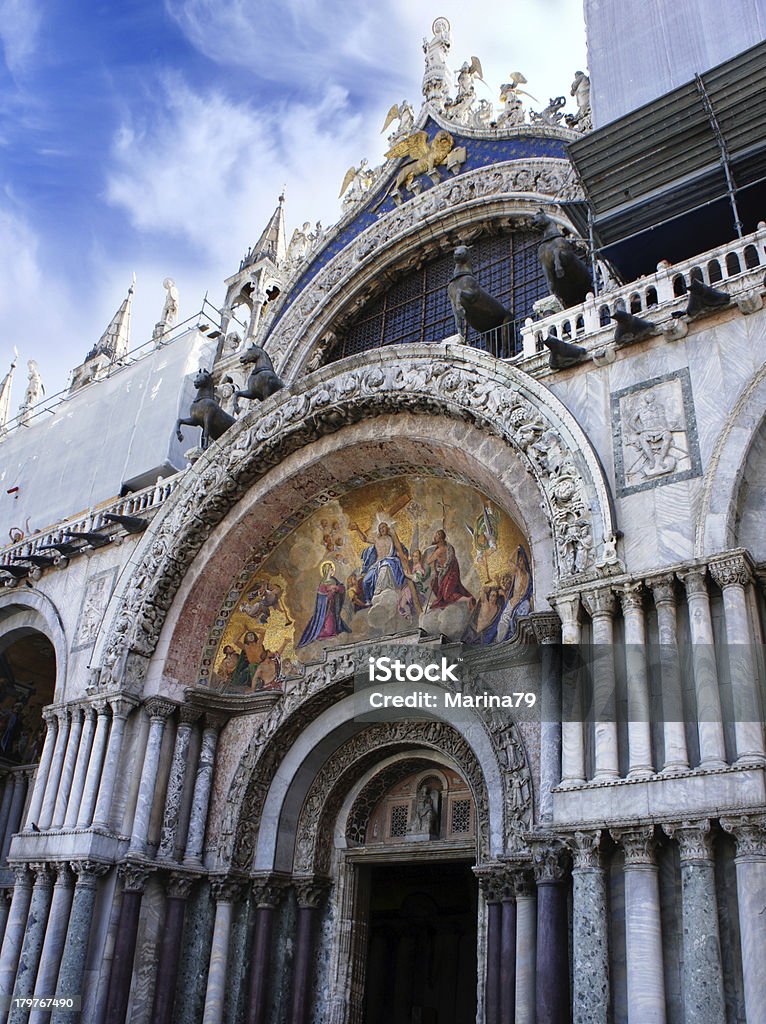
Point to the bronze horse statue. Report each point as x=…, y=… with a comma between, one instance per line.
x=205, y=412
x=470, y=303
x=262, y=381
x=567, y=276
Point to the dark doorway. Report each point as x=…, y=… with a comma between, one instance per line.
x=421, y=966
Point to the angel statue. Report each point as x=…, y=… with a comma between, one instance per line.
x=437, y=79
x=34, y=392
x=581, y=91
x=460, y=108
x=358, y=180
x=424, y=156
x=404, y=113
x=510, y=93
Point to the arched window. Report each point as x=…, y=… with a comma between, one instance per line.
x=679, y=285
x=732, y=264
x=751, y=257
x=651, y=296
x=714, y=272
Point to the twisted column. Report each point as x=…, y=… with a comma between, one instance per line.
x=267, y=893
x=732, y=574
x=43, y=768
x=93, y=771
x=601, y=605
x=159, y=710
x=34, y=934
x=14, y=931
x=81, y=766
x=640, y=760
x=750, y=861
x=195, y=836
x=572, y=712
x=676, y=757
x=702, y=966
x=643, y=930
x=178, y=887
x=225, y=891
x=550, y=860
x=526, y=947
x=67, y=771
x=309, y=892
x=55, y=935
x=121, y=708
x=188, y=716
x=709, y=718
x=134, y=878
x=591, y=991
x=547, y=630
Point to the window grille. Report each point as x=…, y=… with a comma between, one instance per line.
x=399, y=817
x=460, y=817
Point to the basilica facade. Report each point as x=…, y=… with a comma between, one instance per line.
x=218, y=805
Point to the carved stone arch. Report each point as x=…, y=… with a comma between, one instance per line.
x=717, y=519
x=23, y=613
x=456, y=382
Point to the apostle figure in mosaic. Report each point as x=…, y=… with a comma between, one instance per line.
x=326, y=622
x=446, y=586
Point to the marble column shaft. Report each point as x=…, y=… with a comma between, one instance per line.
x=706, y=687
x=552, y=960
x=93, y=773
x=572, y=725
x=67, y=770
x=178, y=889
x=676, y=758
x=508, y=957
x=309, y=893
x=750, y=862
x=134, y=880
x=5, y=806
x=601, y=606
x=224, y=893
x=175, y=786
x=54, y=773
x=16, y=812
x=547, y=631
x=14, y=931
x=195, y=838
x=590, y=921
x=55, y=936
x=643, y=929
x=5, y=906
x=260, y=962
x=493, y=954
x=526, y=949
x=81, y=767
x=120, y=710
x=732, y=575
x=34, y=935
x=43, y=768
x=640, y=760
x=158, y=710
x=704, y=1001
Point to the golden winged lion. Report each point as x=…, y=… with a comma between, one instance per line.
x=424, y=155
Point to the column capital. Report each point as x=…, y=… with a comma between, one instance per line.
x=568, y=607
x=694, y=580
x=631, y=595
x=599, y=603
x=64, y=877
x=750, y=833
x=524, y=883
x=586, y=852
x=22, y=874
x=663, y=588
x=100, y=706
x=134, y=876
x=159, y=709
x=638, y=844
x=215, y=720
x=547, y=627
x=492, y=879
x=267, y=890
x=731, y=571
x=226, y=888
x=550, y=860
x=122, y=706
x=50, y=715
x=188, y=715
x=694, y=838
x=311, y=890
x=88, y=872
x=179, y=884
x=43, y=872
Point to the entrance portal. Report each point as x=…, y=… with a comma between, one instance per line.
x=421, y=966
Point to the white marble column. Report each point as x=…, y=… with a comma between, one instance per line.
x=703, y=989
x=16, y=812
x=643, y=929
x=53, y=945
x=591, y=993
x=640, y=760
x=81, y=767
x=676, y=757
x=5, y=906
x=67, y=771
x=54, y=774
x=225, y=891
x=709, y=718
x=43, y=769
x=601, y=605
x=159, y=710
x=547, y=630
x=188, y=716
x=203, y=782
x=121, y=708
x=5, y=807
x=34, y=933
x=750, y=833
x=732, y=574
x=14, y=931
x=93, y=772
x=572, y=725
x=526, y=948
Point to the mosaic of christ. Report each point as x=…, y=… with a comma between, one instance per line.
x=381, y=560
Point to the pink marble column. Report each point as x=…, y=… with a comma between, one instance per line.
x=601, y=605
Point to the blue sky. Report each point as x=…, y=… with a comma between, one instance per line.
x=155, y=137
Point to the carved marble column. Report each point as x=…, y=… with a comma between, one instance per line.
x=43, y=769
x=732, y=574
x=547, y=629
x=552, y=961
x=640, y=760
x=266, y=895
x=54, y=774
x=309, y=892
x=188, y=716
x=34, y=933
x=508, y=951
x=72, y=967
x=195, y=837
x=676, y=758
x=572, y=726
x=709, y=718
x=159, y=710
x=526, y=947
x=67, y=771
x=93, y=771
x=225, y=891
x=702, y=966
x=16, y=812
x=121, y=708
x=5, y=807
x=81, y=767
x=590, y=940
x=750, y=833
x=601, y=605
x=643, y=931
x=55, y=935
x=134, y=879
x=14, y=930
x=491, y=887
x=178, y=887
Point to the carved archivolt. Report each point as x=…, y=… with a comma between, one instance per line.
x=455, y=381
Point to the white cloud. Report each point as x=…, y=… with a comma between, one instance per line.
x=19, y=26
